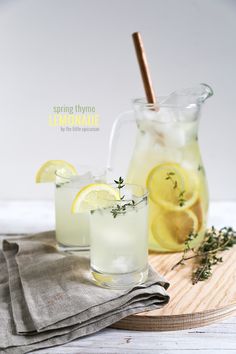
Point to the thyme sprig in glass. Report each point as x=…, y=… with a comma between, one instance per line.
x=208, y=254
x=121, y=209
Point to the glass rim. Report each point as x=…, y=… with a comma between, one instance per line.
x=142, y=102
x=87, y=168
x=138, y=198
x=57, y=173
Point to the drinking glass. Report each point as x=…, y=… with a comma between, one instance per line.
x=72, y=231
x=119, y=240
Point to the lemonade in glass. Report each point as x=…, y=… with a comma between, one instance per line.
x=72, y=231
x=119, y=245
x=118, y=233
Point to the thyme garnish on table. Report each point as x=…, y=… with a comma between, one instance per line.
x=121, y=209
x=181, y=197
x=207, y=254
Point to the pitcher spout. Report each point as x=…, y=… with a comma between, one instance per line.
x=187, y=97
x=205, y=92
x=196, y=94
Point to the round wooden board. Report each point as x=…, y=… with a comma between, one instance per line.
x=190, y=305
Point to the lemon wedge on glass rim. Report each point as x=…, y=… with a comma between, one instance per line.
x=169, y=183
x=47, y=172
x=94, y=196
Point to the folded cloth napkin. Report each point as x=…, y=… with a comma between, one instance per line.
x=48, y=298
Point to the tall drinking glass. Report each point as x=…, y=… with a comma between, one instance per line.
x=72, y=231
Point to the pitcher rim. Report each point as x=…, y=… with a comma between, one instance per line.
x=142, y=102
x=207, y=92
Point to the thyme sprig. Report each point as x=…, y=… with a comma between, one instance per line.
x=120, y=184
x=181, y=197
x=121, y=209
x=187, y=249
x=207, y=254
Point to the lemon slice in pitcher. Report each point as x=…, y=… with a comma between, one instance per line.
x=94, y=196
x=172, y=228
x=47, y=171
x=172, y=186
x=197, y=209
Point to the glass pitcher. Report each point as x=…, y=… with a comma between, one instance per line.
x=167, y=161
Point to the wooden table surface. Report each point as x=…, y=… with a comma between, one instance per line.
x=34, y=216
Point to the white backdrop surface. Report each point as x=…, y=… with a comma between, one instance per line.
x=67, y=52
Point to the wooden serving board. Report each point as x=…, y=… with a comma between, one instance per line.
x=190, y=305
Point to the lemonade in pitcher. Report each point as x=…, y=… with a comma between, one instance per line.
x=167, y=161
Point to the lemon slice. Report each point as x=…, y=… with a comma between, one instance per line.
x=47, y=171
x=197, y=209
x=172, y=186
x=101, y=279
x=94, y=196
x=172, y=228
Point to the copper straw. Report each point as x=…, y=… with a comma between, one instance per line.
x=143, y=65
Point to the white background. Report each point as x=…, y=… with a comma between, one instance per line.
x=66, y=52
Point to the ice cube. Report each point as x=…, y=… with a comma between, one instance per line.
x=81, y=180
x=122, y=264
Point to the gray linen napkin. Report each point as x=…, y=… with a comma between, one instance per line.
x=48, y=298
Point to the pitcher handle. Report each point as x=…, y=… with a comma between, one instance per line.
x=114, y=136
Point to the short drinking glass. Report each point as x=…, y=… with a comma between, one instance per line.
x=119, y=240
